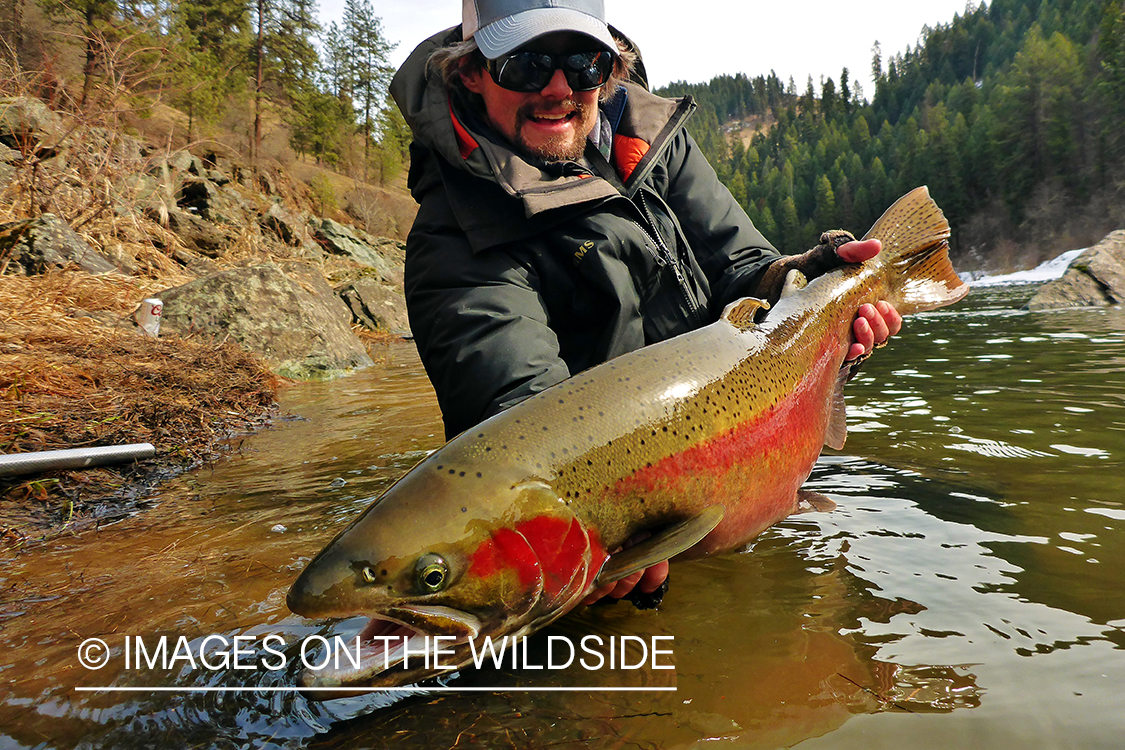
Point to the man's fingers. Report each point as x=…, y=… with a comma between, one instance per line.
x=864, y=336
x=880, y=331
x=626, y=584
x=859, y=250
x=653, y=577
x=890, y=316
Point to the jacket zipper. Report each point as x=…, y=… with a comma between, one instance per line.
x=665, y=258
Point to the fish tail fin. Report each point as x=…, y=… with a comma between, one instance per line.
x=915, y=234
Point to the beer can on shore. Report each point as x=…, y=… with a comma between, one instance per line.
x=148, y=316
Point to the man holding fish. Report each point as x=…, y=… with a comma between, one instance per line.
x=566, y=216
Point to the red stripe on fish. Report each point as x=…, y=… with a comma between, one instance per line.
x=783, y=440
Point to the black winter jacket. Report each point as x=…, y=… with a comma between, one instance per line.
x=520, y=274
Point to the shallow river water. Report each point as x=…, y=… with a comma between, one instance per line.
x=967, y=592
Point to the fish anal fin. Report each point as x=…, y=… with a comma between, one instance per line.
x=837, y=431
x=662, y=545
x=740, y=313
x=809, y=501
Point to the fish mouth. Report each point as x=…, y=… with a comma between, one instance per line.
x=396, y=648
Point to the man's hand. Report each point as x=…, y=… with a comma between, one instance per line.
x=874, y=324
x=647, y=580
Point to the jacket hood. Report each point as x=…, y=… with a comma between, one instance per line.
x=447, y=128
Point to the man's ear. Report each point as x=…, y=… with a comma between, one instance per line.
x=472, y=77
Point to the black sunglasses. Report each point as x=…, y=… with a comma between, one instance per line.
x=532, y=71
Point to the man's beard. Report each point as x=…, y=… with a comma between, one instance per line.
x=566, y=147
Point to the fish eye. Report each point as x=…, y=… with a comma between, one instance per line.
x=368, y=574
x=431, y=573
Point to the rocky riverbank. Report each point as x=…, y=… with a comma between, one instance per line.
x=1096, y=278
x=257, y=289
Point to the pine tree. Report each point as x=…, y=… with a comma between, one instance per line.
x=369, y=73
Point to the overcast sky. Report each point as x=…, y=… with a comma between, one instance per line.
x=697, y=40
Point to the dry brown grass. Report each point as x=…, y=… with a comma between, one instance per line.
x=74, y=373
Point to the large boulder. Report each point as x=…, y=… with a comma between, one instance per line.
x=32, y=246
x=1096, y=278
x=376, y=306
x=295, y=322
x=292, y=229
x=356, y=244
x=29, y=126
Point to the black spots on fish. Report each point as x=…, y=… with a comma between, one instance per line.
x=466, y=510
x=546, y=429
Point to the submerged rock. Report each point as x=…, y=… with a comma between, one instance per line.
x=297, y=323
x=1096, y=278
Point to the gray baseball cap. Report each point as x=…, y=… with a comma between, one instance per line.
x=500, y=26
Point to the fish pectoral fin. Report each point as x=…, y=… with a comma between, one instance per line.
x=837, y=431
x=740, y=313
x=809, y=501
x=661, y=546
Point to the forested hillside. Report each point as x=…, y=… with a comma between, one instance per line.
x=1012, y=113
x=259, y=75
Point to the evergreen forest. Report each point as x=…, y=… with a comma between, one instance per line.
x=1012, y=114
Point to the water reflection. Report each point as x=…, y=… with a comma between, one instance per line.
x=968, y=581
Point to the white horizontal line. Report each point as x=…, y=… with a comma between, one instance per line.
x=288, y=689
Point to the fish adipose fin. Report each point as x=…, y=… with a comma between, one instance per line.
x=741, y=312
x=914, y=233
x=661, y=546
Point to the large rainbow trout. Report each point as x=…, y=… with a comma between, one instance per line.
x=703, y=441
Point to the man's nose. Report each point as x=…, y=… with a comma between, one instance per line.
x=557, y=87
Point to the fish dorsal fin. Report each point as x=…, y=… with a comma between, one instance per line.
x=741, y=312
x=837, y=431
x=795, y=281
x=661, y=546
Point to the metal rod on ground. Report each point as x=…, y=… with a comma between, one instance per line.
x=73, y=458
